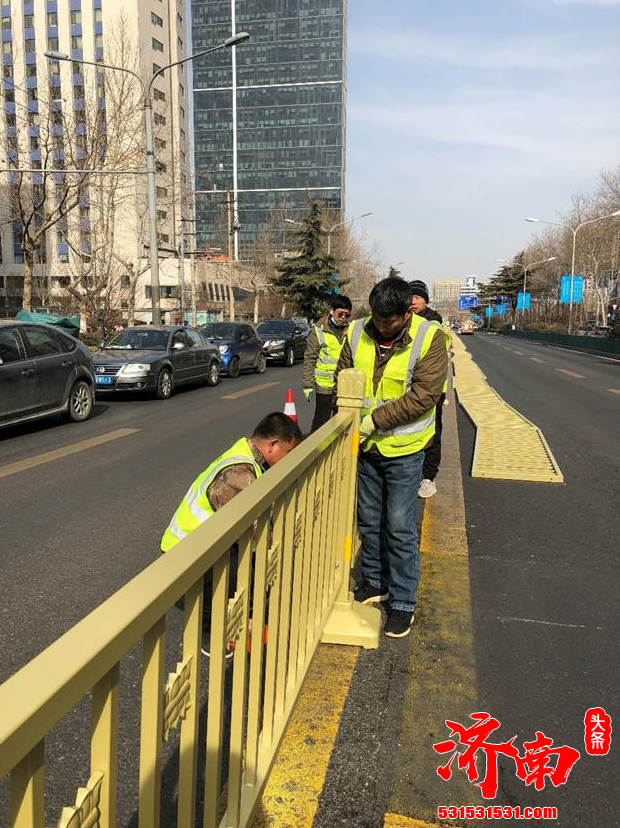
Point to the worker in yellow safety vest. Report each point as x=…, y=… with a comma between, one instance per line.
x=323, y=348
x=405, y=361
x=272, y=439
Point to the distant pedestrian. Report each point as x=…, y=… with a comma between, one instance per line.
x=432, y=454
x=405, y=360
x=323, y=348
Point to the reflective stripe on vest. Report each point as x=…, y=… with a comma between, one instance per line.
x=395, y=382
x=327, y=360
x=195, y=508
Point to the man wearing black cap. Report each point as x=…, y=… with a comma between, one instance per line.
x=432, y=455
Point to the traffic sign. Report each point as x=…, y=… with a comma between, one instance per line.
x=488, y=312
x=467, y=302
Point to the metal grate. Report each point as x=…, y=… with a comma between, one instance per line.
x=508, y=446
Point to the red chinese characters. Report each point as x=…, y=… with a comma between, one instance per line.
x=597, y=735
x=534, y=767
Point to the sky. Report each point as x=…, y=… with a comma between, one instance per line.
x=464, y=117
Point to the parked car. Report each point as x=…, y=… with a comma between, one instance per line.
x=239, y=346
x=43, y=372
x=284, y=340
x=155, y=359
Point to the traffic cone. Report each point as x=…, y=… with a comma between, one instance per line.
x=289, y=406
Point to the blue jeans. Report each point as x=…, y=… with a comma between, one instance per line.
x=387, y=505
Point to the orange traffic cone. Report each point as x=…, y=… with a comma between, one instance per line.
x=289, y=405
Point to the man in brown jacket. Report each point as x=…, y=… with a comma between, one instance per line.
x=323, y=348
x=405, y=361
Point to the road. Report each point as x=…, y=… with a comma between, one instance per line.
x=76, y=528
x=544, y=568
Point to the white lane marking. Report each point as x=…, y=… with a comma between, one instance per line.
x=65, y=451
x=535, y=359
x=238, y=394
x=546, y=623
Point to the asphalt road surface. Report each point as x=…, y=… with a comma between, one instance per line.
x=544, y=570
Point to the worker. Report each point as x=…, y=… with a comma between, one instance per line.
x=323, y=348
x=432, y=454
x=272, y=439
x=405, y=361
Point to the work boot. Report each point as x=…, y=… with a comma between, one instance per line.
x=427, y=488
x=398, y=624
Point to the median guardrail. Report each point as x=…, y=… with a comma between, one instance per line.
x=589, y=344
x=294, y=528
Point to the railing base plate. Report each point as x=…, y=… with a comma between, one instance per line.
x=353, y=623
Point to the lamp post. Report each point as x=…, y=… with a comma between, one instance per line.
x=525, y=268
x=149, y=146
x=574, y=230
x=330, y=230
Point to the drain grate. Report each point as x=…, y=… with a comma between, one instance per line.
x=508, y=446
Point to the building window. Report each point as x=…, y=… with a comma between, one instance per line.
x=6, y=48
x=162, y=215
x=32, y=94
x=52, y=44
x=161, y=192
x=159, y=119
x=157, y=45
x=183, y=157
x=31, y=70
x=28, y=21
x=76, y=18
x=98, y=41
x=156, y=68
x=6, y=22
x=97, y=16
x=182, y=132
x=179, y=19
x=29, y=45
x=159, y=95
x=160, y=144
x=163, y=237
x=76, y=41
x=156, y=20
x=52, y=19
x=7, y=71
x=182, y=112
x=179, y=44
x=161, y=167
x=181, y=90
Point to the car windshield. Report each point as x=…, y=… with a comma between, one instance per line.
x=275, y=327
x=139, y=339
x=219, y=330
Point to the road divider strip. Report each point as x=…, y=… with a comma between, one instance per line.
x=65, y=451
x=508, y=446
x=247, y=391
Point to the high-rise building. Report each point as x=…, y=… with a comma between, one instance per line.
x=446, y=291
x=49, y=118
x=272, y=130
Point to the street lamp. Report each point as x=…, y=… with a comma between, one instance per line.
x=574, y=231
x=527, y=267
x=330, y=230
x=235, y=40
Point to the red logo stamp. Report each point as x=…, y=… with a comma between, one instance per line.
x=597, y=731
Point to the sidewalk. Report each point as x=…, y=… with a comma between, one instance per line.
x=358, y=751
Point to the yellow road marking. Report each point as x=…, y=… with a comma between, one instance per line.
x=614, y=390
x=535, y=359
x=520, y=353
x=247, y=391
x=65, y=451
x=398, y=821
x=569, y=373
x=298, y=775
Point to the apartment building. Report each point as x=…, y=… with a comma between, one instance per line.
x=51, y=110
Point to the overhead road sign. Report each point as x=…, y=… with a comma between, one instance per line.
x=467, y=302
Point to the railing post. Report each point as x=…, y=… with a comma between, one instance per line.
x=351, y=623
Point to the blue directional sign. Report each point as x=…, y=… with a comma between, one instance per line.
x=467, y=302
x=524, y=301
x=488, y=312
x=501, y=309
x=577, y=288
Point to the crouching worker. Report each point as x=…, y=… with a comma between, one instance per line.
x=273, y=438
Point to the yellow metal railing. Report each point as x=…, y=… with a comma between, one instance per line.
x=294, y=529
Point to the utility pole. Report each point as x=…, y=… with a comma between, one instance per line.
x=182, y=276
x=229, y=230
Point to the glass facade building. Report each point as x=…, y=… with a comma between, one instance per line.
x=290, y=119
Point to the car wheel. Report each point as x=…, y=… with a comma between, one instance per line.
x=164, y=384
x=80, y=402
x=213, y=374
x=261, y=365
x=289, y=359
x=235, y=367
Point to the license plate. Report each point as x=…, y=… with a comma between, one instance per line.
x=104, y=380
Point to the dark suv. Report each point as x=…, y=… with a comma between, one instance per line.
x=284, y=340
x=43, y=372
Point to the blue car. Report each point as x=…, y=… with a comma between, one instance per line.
x=239, y=346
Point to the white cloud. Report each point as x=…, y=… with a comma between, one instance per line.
x=536, y=53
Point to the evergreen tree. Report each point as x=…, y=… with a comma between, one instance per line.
x=307, y=278
x=508, y=281
x=393, y=272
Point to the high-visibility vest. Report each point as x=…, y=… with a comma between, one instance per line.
x=329, y=352
x=195, y=507
x=396, y=381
